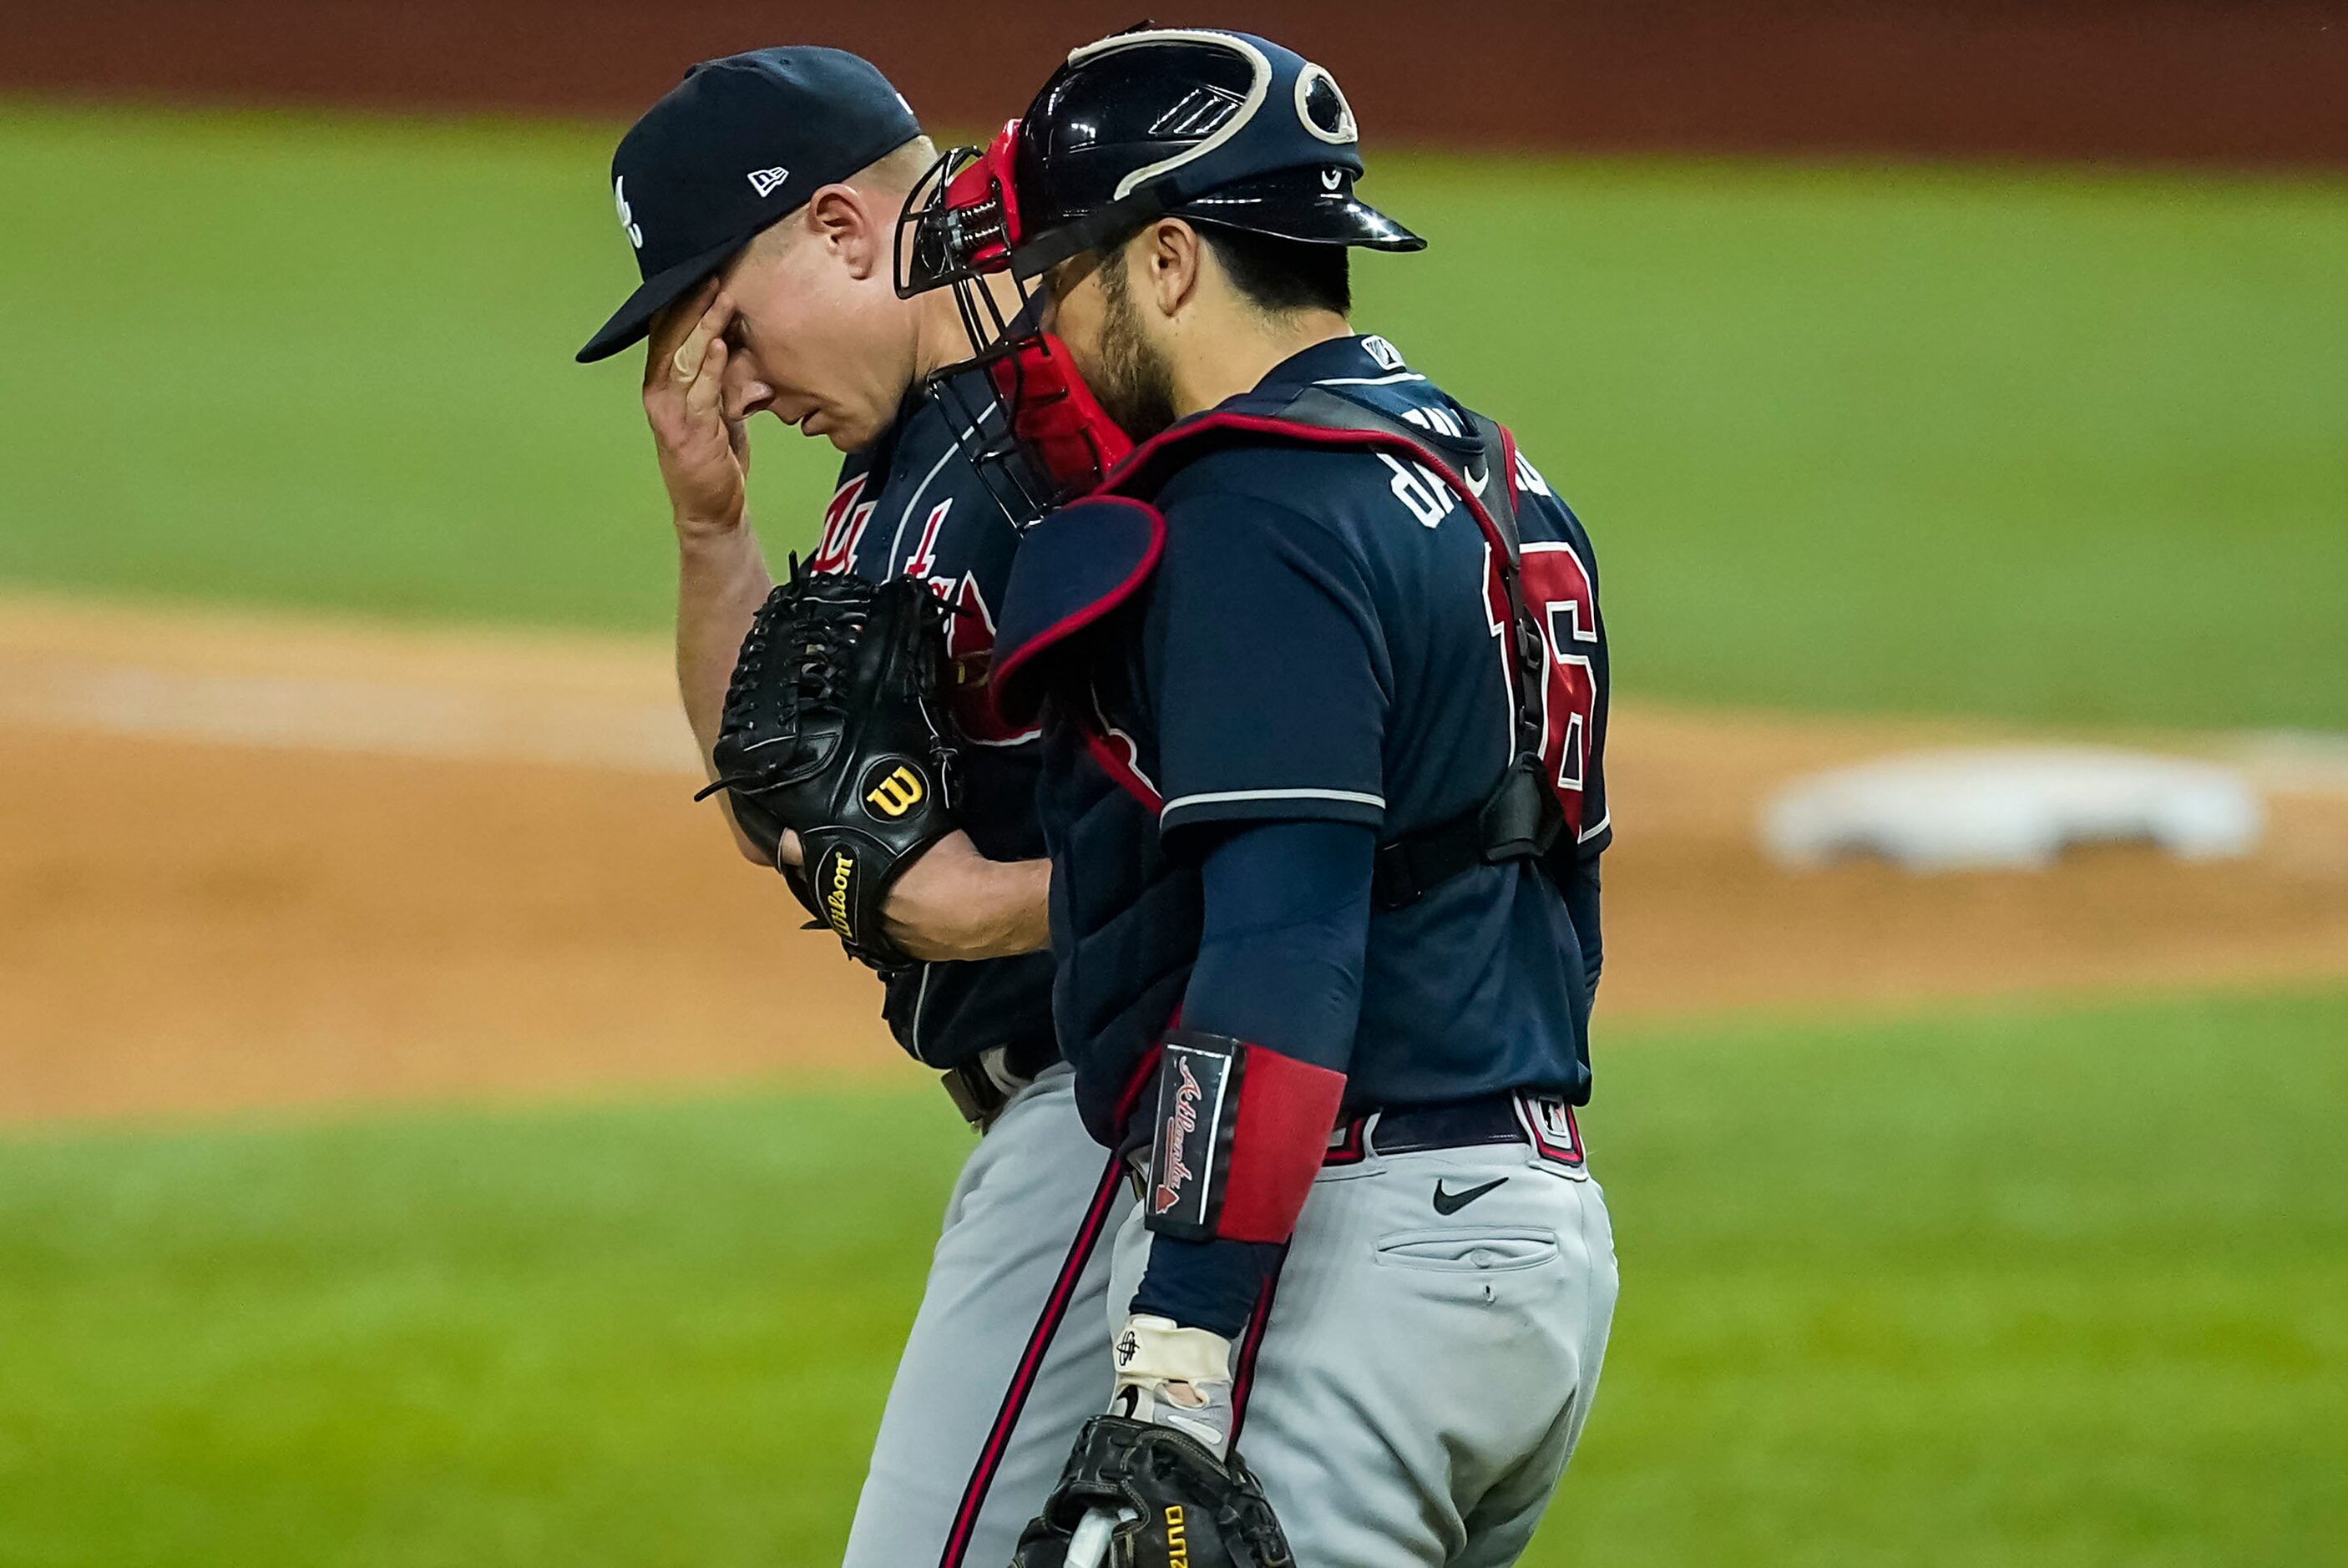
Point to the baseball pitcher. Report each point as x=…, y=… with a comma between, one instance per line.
x=862, y=757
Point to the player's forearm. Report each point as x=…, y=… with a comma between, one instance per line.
x=1280, y=958
x=955, y=905
x=1581, y=904
x=1014, y=904
x=721, y=581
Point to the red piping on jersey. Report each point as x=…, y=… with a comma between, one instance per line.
x=1121, y=772
x=1023, y=1382
x=1008, y=665
x=1252, y=1346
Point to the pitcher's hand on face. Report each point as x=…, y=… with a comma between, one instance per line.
x=703, y=455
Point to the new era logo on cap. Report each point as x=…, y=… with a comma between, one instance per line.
x=730, y=150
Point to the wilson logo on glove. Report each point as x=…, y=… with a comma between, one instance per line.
x=1142, y=1495
x=900, y=789
x=838, y=879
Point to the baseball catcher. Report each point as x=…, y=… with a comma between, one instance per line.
x=1325, y=682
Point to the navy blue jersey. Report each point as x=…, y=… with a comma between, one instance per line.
x=1319, y=638
x=911, y=505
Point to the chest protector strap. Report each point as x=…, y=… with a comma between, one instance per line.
x=1520, y=819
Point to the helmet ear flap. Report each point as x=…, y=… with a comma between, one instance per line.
x=1321, y=109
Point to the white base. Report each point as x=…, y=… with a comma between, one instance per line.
x=2015, y=809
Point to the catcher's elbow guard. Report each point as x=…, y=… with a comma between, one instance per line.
x=1240, y=1135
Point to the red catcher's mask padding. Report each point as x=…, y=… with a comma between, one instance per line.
x=1056, y=416
x=984, y=190
x=969, y=229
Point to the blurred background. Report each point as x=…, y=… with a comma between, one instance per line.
x=423, y=1142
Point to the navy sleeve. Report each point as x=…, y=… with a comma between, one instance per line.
x=1279, y=965
x=1282, y=942
x=1267, y=669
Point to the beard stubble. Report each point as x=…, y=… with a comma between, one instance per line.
x=1135, y=384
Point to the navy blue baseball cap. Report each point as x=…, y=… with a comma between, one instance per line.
x=740, y=143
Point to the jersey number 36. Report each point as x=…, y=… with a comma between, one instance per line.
x=1558, y=592
x=1559, y=595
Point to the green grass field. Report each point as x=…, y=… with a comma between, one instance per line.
x=2053, y=447
x=2046, y=1284
x=2031, y=1285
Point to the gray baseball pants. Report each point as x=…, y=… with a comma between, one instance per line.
x=1009, y=1354
x=1420, y=1378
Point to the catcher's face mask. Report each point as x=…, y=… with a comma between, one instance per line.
x=1223, y=130
x=1023, y=417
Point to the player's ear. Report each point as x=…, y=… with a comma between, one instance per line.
x=1171, y=257
x=839, y=218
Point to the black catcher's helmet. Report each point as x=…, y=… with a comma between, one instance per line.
x=1216, y=127
x=1220, y=129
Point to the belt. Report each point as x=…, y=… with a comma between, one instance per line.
x=983, y=1085
x=1544, y=1121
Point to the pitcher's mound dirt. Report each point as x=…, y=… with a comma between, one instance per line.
x=248, y=864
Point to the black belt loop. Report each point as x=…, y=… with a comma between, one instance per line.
x=973, y=1094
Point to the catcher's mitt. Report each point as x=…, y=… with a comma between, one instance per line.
x=1177, y=1506
x=834, y=728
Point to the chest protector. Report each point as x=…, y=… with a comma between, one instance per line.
x=1131, y=929
x=1521, y=817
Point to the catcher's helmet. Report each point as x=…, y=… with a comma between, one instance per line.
x=1221, y=128
x=1215, y=127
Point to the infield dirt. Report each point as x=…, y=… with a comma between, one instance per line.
x=253, y=863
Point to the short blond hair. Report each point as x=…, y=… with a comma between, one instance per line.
x=896, y=171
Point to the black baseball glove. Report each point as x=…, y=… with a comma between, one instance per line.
x=834, y=728
x=1180, y=1507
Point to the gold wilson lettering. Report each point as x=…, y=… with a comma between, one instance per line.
x=834, y=901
